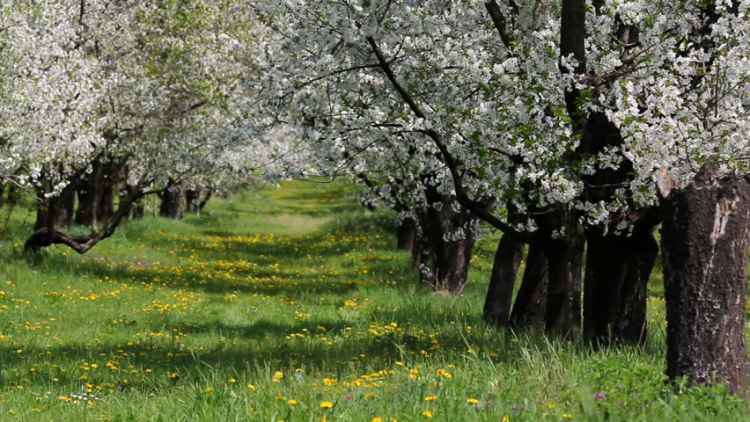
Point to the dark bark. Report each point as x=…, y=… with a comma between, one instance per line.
x=114, y=173
x=531, y=300
x=196, y=199
x=564, y=260
x=65, y=207
x=50, y=235
x=631, y=325
x=447, y=257
x=89, y=192
x=172, y=202
x=56, y=211
x=97, y=191
x=704, y=248
x=14, y=195
x=407, y=235
x=617, y=272
x=499, y=297
x=138, y=210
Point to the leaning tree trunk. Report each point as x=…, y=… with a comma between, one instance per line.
x=531, y=300
x=704, y=247
x=502, y=281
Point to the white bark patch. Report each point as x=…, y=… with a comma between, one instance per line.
x=723, y=211
x=721, y=217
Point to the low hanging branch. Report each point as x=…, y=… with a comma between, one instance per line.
x=47, y=236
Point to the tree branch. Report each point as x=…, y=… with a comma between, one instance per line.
x=476, y=207
x=501, y=24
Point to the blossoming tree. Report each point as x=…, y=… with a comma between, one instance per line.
x=97, y=92
x=546, y=119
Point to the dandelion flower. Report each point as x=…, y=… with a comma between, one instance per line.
x=292, y=402
x=427, y=413
x=377, y=419
x=431, y=397
x=567, y=415
x=472, y=400
x=326, y=404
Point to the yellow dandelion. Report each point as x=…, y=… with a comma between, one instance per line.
x=208, y=389
x=326, y=404
x=292, y=402
x=505, y=419
x=567, y=416
x=472, y=400
x=252, y=387
x=431, y=397
x=377, y=419
x=427, y=413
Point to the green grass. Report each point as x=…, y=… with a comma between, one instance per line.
x=208, y=319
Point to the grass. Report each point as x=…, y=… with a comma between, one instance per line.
x=292, y=305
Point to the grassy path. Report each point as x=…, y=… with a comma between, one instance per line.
x=291, y=305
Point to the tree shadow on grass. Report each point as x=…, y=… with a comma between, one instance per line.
x=243, y=352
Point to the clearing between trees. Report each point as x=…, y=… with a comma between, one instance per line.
x=294, y=305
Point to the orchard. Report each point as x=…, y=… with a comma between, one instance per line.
x=602, y=139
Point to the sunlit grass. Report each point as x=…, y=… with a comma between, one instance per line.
x=292, y=305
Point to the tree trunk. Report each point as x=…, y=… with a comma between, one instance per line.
x=450, y=238
x=704, y=247
x=617, y=273
x=138, y=210
x=14, y=195
x=630, y=325
x=564, y=260
x=65, y=207
x=89, y=191
x=531, y=300
x=97, y=192
x=172, y=202
x=113, y=174
x=196, y=199
x=406, y=235
x=56, y=211
x=502, y=281
x=206, y=196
